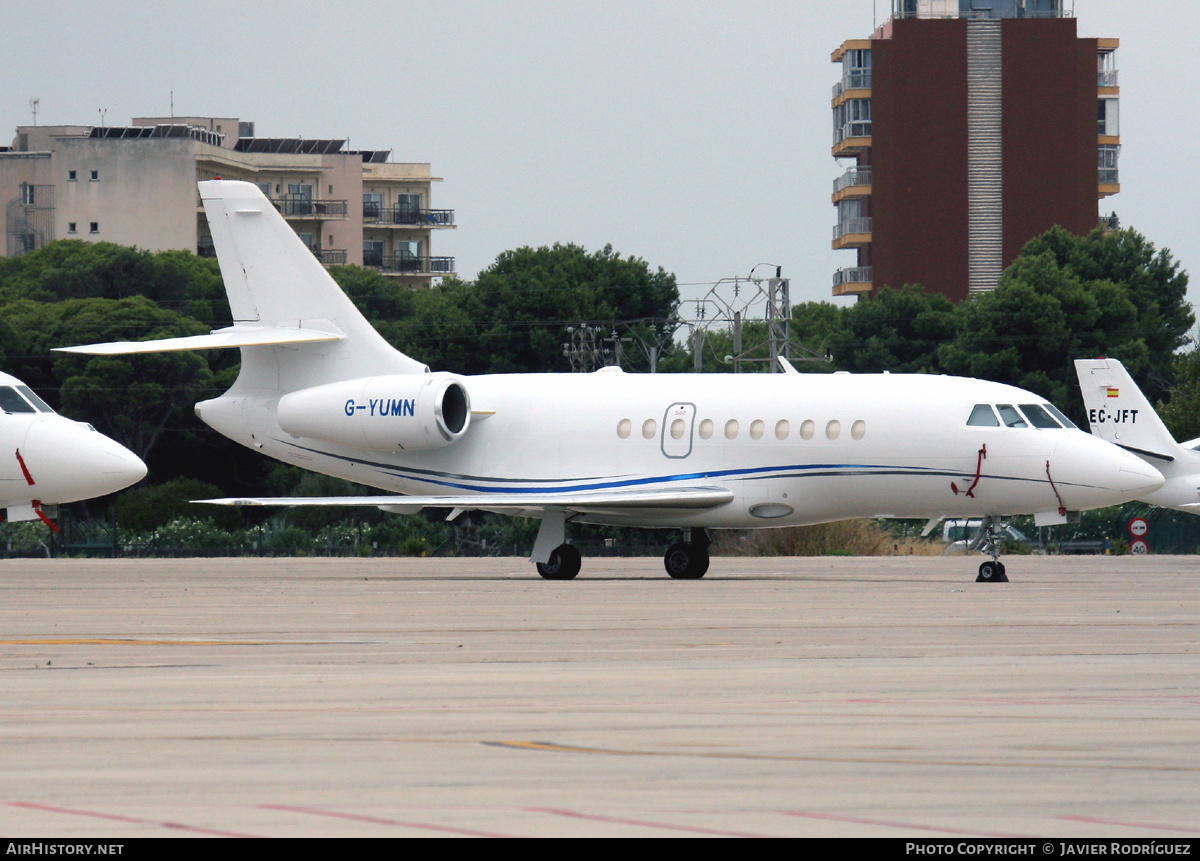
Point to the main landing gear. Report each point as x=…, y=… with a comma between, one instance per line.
x=684, y=560
x=564, y=563
x=688, y=560
x=990, y=540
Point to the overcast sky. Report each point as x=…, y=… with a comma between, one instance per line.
x=695, y=135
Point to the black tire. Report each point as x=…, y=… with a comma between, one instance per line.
x=991, y=572
x=564, y=564
x=685, y=561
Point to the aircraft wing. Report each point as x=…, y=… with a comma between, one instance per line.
x=234, y=336
x=514, y=503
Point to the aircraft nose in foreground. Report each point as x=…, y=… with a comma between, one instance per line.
x=1092, y=473
x=69, y=461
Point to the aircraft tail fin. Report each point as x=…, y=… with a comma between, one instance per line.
x=1118, y=411
x=294, y=324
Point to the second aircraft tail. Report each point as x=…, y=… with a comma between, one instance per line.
x=1117, y=410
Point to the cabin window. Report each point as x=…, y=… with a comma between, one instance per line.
x=833, y=430
x=624, y=427
x=30, y=396
x=649, y=428
x=706, y=429
x=1010, y=416
x=808, y=429
x=1054, y=411
x=11, y=402
x=858, y=430
x=982, y=416
x=731, y=429
x=782, y=428
x=1038, y=417
x=756, y=429
x=677, y=427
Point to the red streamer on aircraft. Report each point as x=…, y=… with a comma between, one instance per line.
x=24, y=469
x=970, y=491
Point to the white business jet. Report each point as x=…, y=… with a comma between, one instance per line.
x=46, y=459
x=1117, y=411
x=322, y=389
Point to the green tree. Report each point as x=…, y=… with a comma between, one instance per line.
x=523, y=302
x=896, y=330
x=1181, y=413
x=1069, y=297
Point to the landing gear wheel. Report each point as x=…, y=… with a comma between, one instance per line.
x=564, y=564
x=991, y=572
x=686, y=561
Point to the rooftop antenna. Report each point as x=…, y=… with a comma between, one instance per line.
x=172, y=104
x=34, y=104
x=103, y=113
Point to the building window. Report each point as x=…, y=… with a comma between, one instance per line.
x=71, y=227
x=1109, y=174
x=70, y=176
x=852, y=119
x=95, y=176
x=372, y=252
x=1108, y=115
x=372, y=205
x=95, y=227
x=408, y=208
x=856, y=69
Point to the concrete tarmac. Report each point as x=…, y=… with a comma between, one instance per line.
x=880, y=697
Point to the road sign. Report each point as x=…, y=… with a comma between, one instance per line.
x=1138, y=547
x=1138, y=527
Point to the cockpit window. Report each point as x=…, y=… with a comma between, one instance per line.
x=1057, y=413
x=1038, y=417
x=11, y=402
x=1010, y=416
x=30, y=396
x=983, y=417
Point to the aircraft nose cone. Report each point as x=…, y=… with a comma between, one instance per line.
x=1096, y=473
x=70, y=461
x=1137, y=476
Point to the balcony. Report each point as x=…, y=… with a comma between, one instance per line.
x=407, y=264
x=851, y=233
x=330, y=256
x=406, y=216
x=856, y=182
x=851, y=138
x=303, y=207
x=859, y=79
x=1107, y=78
x=1108, y=174
x=852, y=281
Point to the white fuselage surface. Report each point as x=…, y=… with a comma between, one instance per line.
x=792, y=448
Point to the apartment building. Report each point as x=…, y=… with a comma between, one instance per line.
x=136, y=185
x=968, y=127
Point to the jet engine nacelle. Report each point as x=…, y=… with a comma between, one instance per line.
x=409, y=412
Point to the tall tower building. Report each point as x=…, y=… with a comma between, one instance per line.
x=968, y=127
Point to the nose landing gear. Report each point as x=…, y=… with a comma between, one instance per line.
x=990, y=540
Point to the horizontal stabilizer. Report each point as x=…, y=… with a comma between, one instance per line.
x=234, y=336
x=514, y=503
